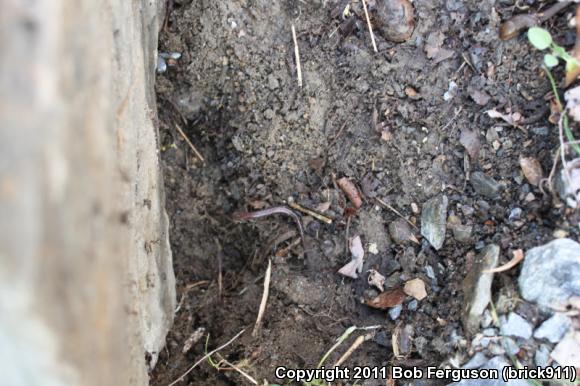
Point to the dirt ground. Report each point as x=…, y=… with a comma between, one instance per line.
x=380, y=119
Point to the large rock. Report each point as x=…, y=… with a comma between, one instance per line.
x=86, y=281
x=551, y=273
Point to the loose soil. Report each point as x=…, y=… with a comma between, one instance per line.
x=265, y=140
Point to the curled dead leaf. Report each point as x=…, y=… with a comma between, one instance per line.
x=387, y=299
x=354, y=267
x=416, y=289
x=518, y=256
x=351, y=191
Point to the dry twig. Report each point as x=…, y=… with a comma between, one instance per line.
x=203, y=358
x=370, y=26
x=197, y=153
x=297, y=55
x=264, y=299
x=358, y=341
x=310, y=212
x=384, y=204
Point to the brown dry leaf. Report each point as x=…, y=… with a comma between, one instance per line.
x=351, y=191
x=376, y=279
x=354, y=267
x=555, y=112
x=416, y=289
x=470, y=140
x=511, y=118
x=412, y=93
x=387, y=299
x=434, y=50
x=478, y=96
x=532, y=170
x=322, y=207
x=518, y=256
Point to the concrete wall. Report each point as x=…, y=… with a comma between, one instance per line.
x=86, y=281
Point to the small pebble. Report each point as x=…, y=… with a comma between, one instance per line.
x=486, y=319
x=395, y=312
x=485, y=185
x=414, y=208
x=540, y=130
x=515, y=325
x=510, y=346
x=412, y=306
x=161, y=65
x=496, y=348
x=560, y=234
x=529, y=197
x=430, y=272
x=478, y=360
x=542, y=356
x=515, y=214
x=489, y=332
x=554, y=328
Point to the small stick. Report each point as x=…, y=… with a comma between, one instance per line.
x=197, y=153
x=244, y=374
x=264, y=299
x=310, y=212
x=369, y=24
x=219, y=261
x=360, y=340
x=396, y=212
x=203, y=358
x=297, y=55
x=452, y=119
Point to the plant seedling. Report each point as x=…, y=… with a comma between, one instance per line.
x=542, y=40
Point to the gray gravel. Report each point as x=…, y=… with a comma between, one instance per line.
x=515, y=325
x=554, y=328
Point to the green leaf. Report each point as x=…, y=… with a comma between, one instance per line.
x=559, y=51
x=550, y=60
x=539, y=37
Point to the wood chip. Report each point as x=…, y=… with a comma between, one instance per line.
x=387, y=299
x=351, y=191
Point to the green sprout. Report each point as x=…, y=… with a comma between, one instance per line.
x=542, y=40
